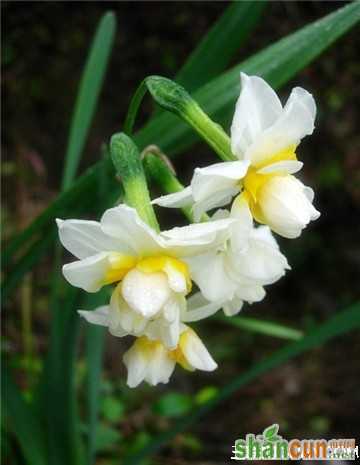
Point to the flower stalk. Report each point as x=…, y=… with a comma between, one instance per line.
x=162, y=175
x=126, y=158
x=174, y=98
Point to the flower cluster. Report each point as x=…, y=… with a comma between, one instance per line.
x=226, y=256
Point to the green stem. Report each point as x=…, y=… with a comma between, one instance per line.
x=126, y=158
x=159, y=171
x=176, y=99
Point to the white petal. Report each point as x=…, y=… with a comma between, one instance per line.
x=242, y=228
x=195, y=352
x=285, y=206
x=233, y=307
x=250, y=293
x=160, y=367
x=209, y=273
x=214, y=178
x=176, y=200
x=136, y=363
x=176, y=279
x=125, y=224
x=220, y=214
x=257, y=108
x=89, y=273
x=85, y=238
x=295, y=122
x=122, y=319
x=199, y=308
x=218, y=199
x=282, y=167
x=100, y=316
x=196, y=238
x=262, y=262
x=145, y=293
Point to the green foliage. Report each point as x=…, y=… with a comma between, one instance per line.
x=263, y=327
x=340, y=324
x=49, y=433
x=173, y=404
x=87, y=98
x=112, y=409
x=278, y=63
x=22, y=420
x=220, y=44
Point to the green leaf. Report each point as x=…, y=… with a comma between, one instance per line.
x=339, y=324
x=23, y=421
x=278, y=64
x=58, y=392
x=112, y=409
x=88, y=94
x=220, y=44
x=107, y=438
x=270, y=433
x=261, y=326
x=94, y=348
x=59, y=370
x=173, y=404
x=26, y=263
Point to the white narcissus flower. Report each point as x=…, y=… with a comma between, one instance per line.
x=236, y=271
x=149, y=269
x=149, y=360
x=264, y=138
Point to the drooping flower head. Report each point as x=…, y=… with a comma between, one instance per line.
x=264, y=138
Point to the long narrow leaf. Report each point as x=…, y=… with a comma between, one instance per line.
x=341, y=323
x=87, y=98
x=261, y=326
x=63, y=433
x=220, y=44
x=278, y=63
x=22, y=420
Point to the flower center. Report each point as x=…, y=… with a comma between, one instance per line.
x=254, y=180
x=120, y=265
x=178, y=353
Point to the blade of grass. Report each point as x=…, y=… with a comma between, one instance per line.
x=64, y=433
x=94, y=348
x=58, y=382
x=88, y=94
x=214, y=52
x=278, y=63
x=22, y=420
x=256, y=325
x=341, y=323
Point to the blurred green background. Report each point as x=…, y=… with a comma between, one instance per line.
x=44, y=49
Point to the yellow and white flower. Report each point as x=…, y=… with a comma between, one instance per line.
x=151, y=276
x=149, y=360
x=264, y=138
x=237, y=270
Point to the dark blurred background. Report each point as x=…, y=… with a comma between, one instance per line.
x=44, y=49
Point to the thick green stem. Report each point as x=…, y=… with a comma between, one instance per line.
x=126, y=158
x=176, y=99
